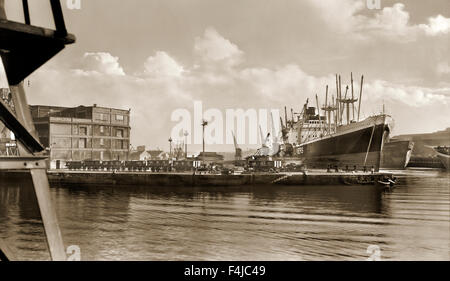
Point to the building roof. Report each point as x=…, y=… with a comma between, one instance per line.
x=210, y=156
x=61, y=111
x=154, y=153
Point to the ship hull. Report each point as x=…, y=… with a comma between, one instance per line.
x=396, y=155
x=358, y=144
x=445, y=159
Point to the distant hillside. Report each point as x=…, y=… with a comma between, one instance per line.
x=422, y=140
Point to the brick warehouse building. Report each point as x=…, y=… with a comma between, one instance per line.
x=83, y=132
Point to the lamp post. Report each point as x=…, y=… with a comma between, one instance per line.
x=204, y=124
x=186, y=134
x=170, y=143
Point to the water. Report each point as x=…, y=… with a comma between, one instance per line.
x=411, y=222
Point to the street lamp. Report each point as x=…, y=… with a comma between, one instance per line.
x=186, y=134
x=170, y=143
x=204, y=124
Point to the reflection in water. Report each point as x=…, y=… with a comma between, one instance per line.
x=21, y=225
x=256, y=223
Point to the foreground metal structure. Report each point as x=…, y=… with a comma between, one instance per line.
x=23, y=49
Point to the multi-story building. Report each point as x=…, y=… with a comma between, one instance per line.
x=83, y=132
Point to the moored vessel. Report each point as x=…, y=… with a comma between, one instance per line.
x=443, y=153
x=338, y=139
x=354, y=145
x=396, y=154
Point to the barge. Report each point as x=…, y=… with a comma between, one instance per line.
x=108, y=178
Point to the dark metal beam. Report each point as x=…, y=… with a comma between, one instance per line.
x=22, y=163
x=58, y=18
x=19, y=130
x=26, y=11
x=48, y=214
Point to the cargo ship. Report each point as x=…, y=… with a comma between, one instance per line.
x=396, y=154
x=331, y=140
x=357, y=145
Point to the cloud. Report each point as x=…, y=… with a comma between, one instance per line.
x=443, y=68
x=345, y=16
x=101, y=63
x=339, y=15
x=212, y=47
x=436, y=25
x=391, y=21
x=153, y=97
x=408, y=95
x=288, y=82
x=161, y=64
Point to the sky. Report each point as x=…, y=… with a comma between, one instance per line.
x=159, y=56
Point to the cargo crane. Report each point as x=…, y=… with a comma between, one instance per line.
x=238, y=151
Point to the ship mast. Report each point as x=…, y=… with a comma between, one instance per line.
x=347, y=102
x=334, y=115
x=318, y=114
x=327, y=114
x=338, y=109
x=328, y=109
x=285, y=116
x=292, y=116
x=341, y=105
x=353, y=105
x=360, y=95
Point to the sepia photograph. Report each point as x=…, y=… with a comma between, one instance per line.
x=224, y=134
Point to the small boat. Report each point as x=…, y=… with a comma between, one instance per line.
x=387, y=182
x=443, y=153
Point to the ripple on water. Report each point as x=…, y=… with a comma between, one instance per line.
x=244, y=223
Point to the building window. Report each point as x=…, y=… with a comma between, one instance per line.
x=119, y=133
x=103, y=117
x=83, y=131
x=102, y=129
x=119, y=117
x=121, y=144
x=102, y=142
x=82, y=143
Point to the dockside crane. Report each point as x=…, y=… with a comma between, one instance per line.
x=237, y=149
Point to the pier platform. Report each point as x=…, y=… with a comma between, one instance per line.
x=65, y=177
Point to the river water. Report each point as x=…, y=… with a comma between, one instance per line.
x=410, y=222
